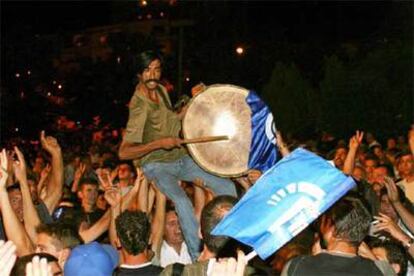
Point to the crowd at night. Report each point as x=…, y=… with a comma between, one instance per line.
x=96, y=175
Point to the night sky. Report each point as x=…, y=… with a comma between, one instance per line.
x=296, y=20
x=303, y=33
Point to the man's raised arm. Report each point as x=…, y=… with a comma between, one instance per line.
x=55, y=184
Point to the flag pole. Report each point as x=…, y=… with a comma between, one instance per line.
x=250, y=256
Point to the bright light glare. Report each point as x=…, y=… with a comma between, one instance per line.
x=225, y=125
x=239, y=50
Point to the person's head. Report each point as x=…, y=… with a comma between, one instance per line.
x=88, y=191
x=16, y=200
x=31, y=182
x=347, y=221
x=369, y=137
x=101, y=202
x=21, y=262
x=378, y=151
x=391, y=143
x=392, y=154
x=172, y=229
x=401, y=141
x=370, y=163
x=340, y=155
x=405, y=164
x=211, y=215
x=391, y=252
x=149, y=65
x=57, y=239
x=386, y=206
x=125, y=171
x=92, y=259
x=359, y=173
x=380, y=173
x=133, y=231
x=38, y=164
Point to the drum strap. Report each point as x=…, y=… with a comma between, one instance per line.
x=164, y=98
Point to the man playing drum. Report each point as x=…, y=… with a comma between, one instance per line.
x=152, y=141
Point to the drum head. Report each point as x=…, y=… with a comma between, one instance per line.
x=220, y=110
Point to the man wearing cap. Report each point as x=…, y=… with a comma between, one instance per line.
x=152, y=141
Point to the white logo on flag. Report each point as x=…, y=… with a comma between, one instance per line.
x=270, y=128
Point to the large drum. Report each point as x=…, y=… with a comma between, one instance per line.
x=220, y=110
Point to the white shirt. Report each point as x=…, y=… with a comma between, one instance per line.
x=168, y=255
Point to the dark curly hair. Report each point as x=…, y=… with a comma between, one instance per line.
x=133, y=231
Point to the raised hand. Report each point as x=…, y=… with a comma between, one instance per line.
x=140, y=176
x=3, y=169
x=38, y=267
x=385, y=223
x=254, y=175
x=229, y=266
x=7, y=257
x=20, y=166
x=10, y=159
x=356, y=140
x=49, y=143
x=392, y=190
x=411, y=138
x=45, y=172
x=197, y=89
x=105, y=179
x=113, y=196
x=80, y=171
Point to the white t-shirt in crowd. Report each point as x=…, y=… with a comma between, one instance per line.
x=170, y=256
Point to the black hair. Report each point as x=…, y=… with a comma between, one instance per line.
x=20, y=265
x=211, y=215
x=143, y=59
x=64, y=235
x=350, y=219
x=402, y=154
x=133, y=229
x=394, y=252
x=15, y=186
x=87, y=181
x=129, y=164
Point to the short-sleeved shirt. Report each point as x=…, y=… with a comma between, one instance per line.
x=149, y=121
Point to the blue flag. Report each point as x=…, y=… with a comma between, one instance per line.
x=286, y=199
x=263, y=146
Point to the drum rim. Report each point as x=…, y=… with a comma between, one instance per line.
x=185, y=134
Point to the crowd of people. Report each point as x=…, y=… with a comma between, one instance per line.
x=133, y=202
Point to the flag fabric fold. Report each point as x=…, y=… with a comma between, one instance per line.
x=286, y=199
x=263, y=152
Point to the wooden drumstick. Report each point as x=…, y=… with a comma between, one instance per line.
x=205, y=139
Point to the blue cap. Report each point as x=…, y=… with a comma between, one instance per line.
x=92, y=259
